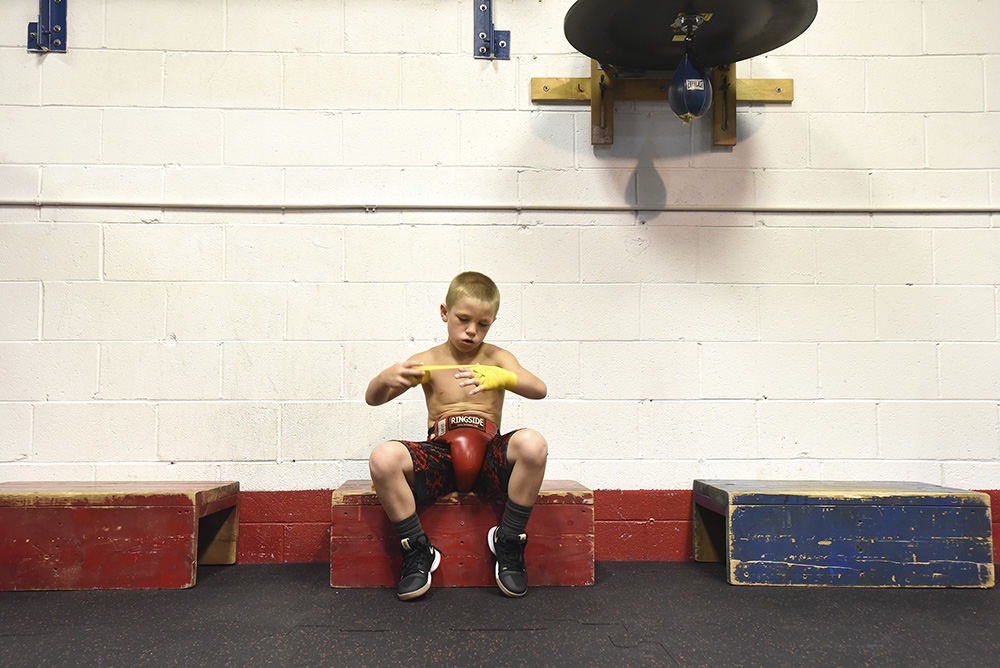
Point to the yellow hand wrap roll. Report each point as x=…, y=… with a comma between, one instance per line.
x=492, y=377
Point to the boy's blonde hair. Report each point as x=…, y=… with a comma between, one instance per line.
x=475, y=285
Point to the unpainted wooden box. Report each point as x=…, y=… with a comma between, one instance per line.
x=874, y=534
x=114, y=535
x=365, y=552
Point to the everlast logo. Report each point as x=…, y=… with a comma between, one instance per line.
x=457, y=421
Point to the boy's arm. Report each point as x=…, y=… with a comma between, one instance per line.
x=392, y=382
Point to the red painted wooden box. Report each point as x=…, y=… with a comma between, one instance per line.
x=114, y=535
x=364, y=548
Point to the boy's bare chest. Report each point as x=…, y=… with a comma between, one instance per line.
x=445, y=396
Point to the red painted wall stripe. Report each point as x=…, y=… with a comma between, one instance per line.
x=629, y=525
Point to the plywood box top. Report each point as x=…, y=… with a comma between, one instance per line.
x=361, y=493
x=115, y=493
x=827, y=492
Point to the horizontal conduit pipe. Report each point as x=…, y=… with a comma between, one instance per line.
x=515, y=208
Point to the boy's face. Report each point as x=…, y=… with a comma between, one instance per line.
x=468, y=321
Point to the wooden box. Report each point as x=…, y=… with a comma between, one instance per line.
x=114, y=535
x=365, y=552
x=875, y=534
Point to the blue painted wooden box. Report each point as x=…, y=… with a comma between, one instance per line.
x=866, y=534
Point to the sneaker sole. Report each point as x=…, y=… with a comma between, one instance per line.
x=496, y=568
x=417, y=593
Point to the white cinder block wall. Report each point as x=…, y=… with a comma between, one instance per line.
x=819, y=302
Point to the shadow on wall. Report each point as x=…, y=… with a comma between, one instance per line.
x=675, y=165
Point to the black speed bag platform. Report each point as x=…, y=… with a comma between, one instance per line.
x=637, y=34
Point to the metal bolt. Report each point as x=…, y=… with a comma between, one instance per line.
x=545, y=88
x=483, y=8
x=482, y=36
x=34, y=35
x=57, y=42
x=482, y=49
x=778, y=89
x=502, y=44
x=56, y=28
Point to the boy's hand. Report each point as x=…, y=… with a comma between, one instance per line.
x=404, y=375
x=484, y=377
x=393, y=381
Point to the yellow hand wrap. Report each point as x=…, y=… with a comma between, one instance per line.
x=491, y=377
x=494, y=378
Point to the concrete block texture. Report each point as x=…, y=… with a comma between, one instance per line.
x=900, y=370
x=893, y=84
x=87, y=77
x=947, y=430
x=15, y=438
x=33, y=135
x=22, y=76
x=147, y=252
x=300, y=26
x=161, y=370
x=108, y=185
x=100, y=311
x=220, y=219
x=21, y=304
x=165, y=25
x=217, y=431
x=936, y=313
x=225, y=311
x=83, y=432
x=759, y=370
x=868, y=35
x=37, y=371
x=19, y=183
x=286, y=370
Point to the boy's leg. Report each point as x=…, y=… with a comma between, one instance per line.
x=391, y=466
x=527, y=453
x=392, y=474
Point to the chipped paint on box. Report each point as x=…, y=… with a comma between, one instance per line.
x=850, y=534
x=364, y=549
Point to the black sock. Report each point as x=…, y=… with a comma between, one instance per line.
x=409, y=527
x=515, y=518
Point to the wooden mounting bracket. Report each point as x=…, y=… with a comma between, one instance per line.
x=601, y=89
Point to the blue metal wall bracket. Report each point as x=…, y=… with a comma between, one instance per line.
x=489, y=43
x=49, y=33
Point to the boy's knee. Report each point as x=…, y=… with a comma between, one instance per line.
x=532, y=447
x=387, y=459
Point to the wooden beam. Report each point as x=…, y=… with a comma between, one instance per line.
x=602, y=106
x=601, y=89
x=570, y=90
x=764, y=90
x=723, y=107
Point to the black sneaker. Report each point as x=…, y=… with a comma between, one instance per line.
x=420, y=559
x=509, y=550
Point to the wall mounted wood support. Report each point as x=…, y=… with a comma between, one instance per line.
x=602, y=89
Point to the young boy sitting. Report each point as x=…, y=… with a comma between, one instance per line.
x=464, y=380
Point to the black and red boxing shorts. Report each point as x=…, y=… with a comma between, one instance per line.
x=434, y=469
